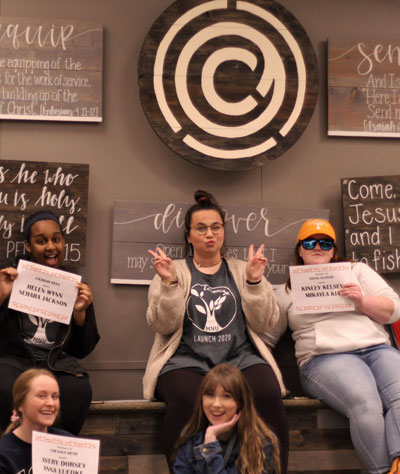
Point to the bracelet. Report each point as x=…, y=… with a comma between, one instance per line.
x=170, y=282
x=253, y=282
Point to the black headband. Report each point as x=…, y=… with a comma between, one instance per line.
x=38, y=216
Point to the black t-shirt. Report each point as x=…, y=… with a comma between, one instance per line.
x=214, y=328
x=39, y=334
x=16, y=455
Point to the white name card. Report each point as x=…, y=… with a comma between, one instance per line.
x=315, y=288
x=64, y=454
x=44, y=291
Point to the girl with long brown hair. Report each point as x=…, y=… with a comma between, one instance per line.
x=209, y=309
x=225, y=434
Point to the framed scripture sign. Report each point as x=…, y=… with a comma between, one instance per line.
x=30, y=186
x=51, y=69
x=371, y=213
x=364, y=88
x=142, y=225
x=228, y=85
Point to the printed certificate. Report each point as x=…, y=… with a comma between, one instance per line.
x=64, y=454
x=315, y=288
x=44, y=291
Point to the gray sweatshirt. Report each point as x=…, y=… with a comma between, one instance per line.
x=329, y=333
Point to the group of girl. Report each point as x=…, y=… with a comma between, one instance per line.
x=216, y=320
x=208, y=309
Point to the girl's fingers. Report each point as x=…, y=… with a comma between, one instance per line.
x=251, y=251
x=259, y=252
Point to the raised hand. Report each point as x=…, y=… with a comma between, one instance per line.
x=214, y=431
x=256, y=264
x=7, y=277
x=163, y=265
x=353, y=292
x=83, y=300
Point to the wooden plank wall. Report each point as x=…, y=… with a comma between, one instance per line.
x=130, y=438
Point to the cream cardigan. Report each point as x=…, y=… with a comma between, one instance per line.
x=166, y=312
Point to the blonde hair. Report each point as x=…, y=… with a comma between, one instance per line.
x=251, y=429
x=20, y=389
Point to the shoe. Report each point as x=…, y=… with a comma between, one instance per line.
x=395, y=469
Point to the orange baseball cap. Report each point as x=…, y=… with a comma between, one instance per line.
x=316, y=226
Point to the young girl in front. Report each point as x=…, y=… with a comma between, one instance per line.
x=36, y=401
x=225, y=434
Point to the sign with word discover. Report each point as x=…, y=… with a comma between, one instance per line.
x=142, y=225
x=371, y=213
x=315, y=288
x=44, y=291
x=31, y=186
x=64, y=454
x=364, y=88
x=50, y=70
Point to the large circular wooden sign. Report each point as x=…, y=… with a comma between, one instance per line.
x=228, y=84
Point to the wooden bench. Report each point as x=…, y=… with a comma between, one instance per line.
x=130, y=438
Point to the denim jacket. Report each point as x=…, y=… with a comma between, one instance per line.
x=195, y=457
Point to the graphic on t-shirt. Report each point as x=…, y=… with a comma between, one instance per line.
x=211, y=309
x=35, y=334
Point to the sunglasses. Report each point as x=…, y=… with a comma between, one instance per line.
x=325, y=244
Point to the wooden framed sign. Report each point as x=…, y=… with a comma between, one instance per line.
x=228, y=84
x=142, y=225
x=51, y=70
x=371, y=212
x=30, y=186
x=364, y=88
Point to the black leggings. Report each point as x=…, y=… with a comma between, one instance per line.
x=75, y=398
x=179, y=389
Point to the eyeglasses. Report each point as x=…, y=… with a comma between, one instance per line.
x=201, y=229
x=325, y=244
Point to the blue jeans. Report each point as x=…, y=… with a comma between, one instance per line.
x=363, y=385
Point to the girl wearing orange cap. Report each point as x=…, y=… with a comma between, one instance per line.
x=345, y=358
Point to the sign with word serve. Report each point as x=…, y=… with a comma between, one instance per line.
x=364, y=88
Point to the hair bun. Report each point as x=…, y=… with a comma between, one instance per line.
x=203, y=197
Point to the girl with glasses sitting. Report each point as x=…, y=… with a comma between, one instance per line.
x=206, y=310
x=345, y=358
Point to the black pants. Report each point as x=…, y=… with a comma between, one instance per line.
x=179, y=389
x=75, y=398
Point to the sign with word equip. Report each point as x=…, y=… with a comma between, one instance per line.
x=142, y=225
x=364, y=88
x=371, y=212
x=51, y=70
x=31, y=186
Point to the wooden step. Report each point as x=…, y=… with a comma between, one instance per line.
x=130, y=438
